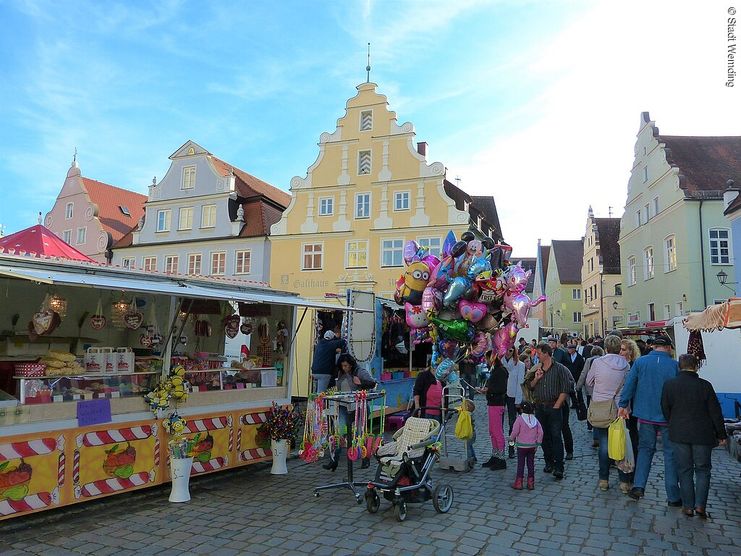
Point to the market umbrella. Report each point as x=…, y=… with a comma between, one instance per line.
x=40, y=241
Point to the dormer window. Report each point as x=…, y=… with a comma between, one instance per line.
x=189, y=177
x=366, y=120
x=124, y=210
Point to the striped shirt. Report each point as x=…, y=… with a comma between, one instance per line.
x=555, y=381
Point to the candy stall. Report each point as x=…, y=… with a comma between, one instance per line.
x=86, y=351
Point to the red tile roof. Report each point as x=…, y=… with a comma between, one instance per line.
x=248, y=185
x=40, y=241
x=706, y=163
x=109, y=200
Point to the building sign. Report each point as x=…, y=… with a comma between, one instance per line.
x=634, y=319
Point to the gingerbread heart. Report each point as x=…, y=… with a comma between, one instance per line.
x=97, y=322
x=133, y=320
x=42, y=321
x=246, y=329
x=145, y=340
x=231, y=326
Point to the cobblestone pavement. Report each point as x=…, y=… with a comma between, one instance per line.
x=249, y=511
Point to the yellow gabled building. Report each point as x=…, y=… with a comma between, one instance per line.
x=369, y=191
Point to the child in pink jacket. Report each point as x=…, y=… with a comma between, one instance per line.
x=527, y=434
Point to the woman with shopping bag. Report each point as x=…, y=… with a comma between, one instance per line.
x=606, y=377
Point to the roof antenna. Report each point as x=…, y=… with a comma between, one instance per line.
x=368, y=67
x=458, y=181
x=39, y=218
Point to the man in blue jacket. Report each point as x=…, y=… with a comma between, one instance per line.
x=642, y=391
x=324, y=364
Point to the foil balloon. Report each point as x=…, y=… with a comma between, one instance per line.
x=431, y=261
x=453, y=377
x=416, y=317
x=471, y=310
x=448, y=348
x=432, y=299
x=455, y=290
x=420, y=335
x=412, y=252
x=504, y=338
x=474, y=247
x=467, y=236
x=519, y=306
x=481, y=344
x=500, y=255
x=444, y=369
x=489, y=322
x=479, y=266
x=458, y=249
x=515, y=279
x=412, y=283
x=442, y=274
x=448, y=243
x=456, y=329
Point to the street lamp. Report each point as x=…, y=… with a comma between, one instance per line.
x=723, y=280
x=615, y=305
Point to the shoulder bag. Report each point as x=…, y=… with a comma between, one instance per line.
x=601, y=414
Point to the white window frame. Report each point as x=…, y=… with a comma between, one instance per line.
x=398, y=195
x=357, y=205
x=647, y=208
x=204, y=224
x=428, y=242
x=191, y=270
x=189, y=221
x=360, y=120
x=576, y=294
x=576, y=315
x=360, y=156
x=651, y=308
x=324, y=203
x=128, y=262
x=172, y=264
x=667, y=312
x=164, y=226
x=649, y=263
x=69, y=211
x=239, y=265
x=645, y=173
x=718, y=259
x=656, y=206
x=313, y=254
x=218, y=268
x=638, y=219
x=361, y=248
x=67, y=237
x=632, y=274
x=393, y=249
x=83, y=240
x=149, y=264
x=188, y=178
x=670, y=253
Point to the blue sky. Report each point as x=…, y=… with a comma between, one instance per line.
x=536, y=103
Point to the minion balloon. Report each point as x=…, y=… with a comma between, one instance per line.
x=412, y=283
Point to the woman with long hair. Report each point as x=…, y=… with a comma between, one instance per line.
x=630, y=350
x=496, y=401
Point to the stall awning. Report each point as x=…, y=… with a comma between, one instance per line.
x=716, y=317
x=134, y=282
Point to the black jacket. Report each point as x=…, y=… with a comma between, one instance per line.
x=691, y=407
x=496, y=386
x=324, y=356
x=576, y=366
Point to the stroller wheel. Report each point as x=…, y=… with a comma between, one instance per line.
x=442, y=498
x=372, y=501
x=400, y=511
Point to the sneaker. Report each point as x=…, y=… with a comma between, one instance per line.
x=636, y=493
x=548, y=469
x=624, y=487
x=489, y=462
x=517, y=484
x=530, y=483
x=498, y=465
x=569, y=456
x=603, y=485
x=558, y=474
x=677, y=504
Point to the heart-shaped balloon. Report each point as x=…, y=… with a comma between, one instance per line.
x=133, y=319
x=471, y=310
x=97, y=322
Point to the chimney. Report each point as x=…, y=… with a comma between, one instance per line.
x=422, y=148
x=730, y=194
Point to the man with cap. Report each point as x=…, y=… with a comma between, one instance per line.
x=324, y=363
x=642, y=393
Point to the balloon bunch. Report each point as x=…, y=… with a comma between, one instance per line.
x=466, y=302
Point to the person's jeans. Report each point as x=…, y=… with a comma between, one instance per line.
x=604, y=458
x=525, y=456
x=322, y=382
x=646, y=448
x=568, y=438
x=693, y=466
x=632, y=424
x=511, y=412
x=471, y=452
x=551, y=420
x=496, y=415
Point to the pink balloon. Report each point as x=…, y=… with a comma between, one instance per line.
x=431, y=261
x=416, y=316
x=481, y=344
x=432, y=299
x=516, y=279
x=475, y=247
x=519, y=305
x=472, y=311
x=411, y=250
x=504, y=338
x=442, y=274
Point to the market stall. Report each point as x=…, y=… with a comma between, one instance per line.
x=80, y=346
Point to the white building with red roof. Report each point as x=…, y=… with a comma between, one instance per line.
x=91, y=215
x=205, y=217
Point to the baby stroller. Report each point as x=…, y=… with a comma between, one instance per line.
x=403, y=474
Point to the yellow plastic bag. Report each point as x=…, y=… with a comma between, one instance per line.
x=616, y=434
x=464, y=426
